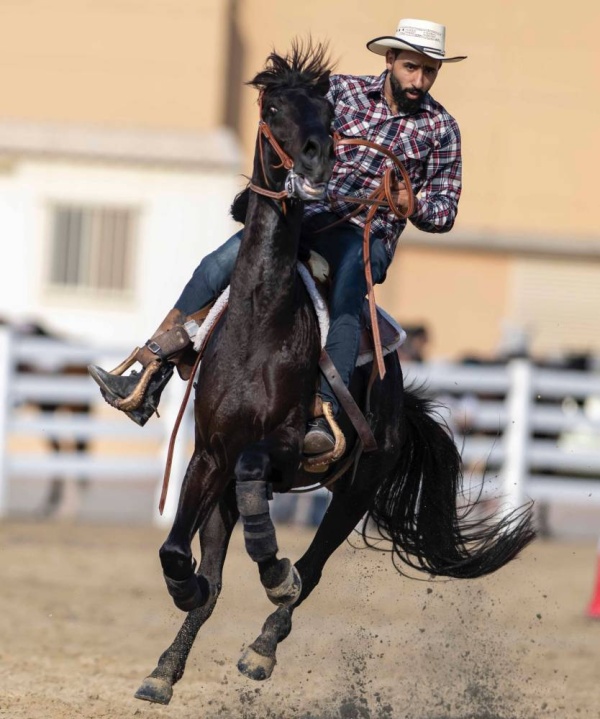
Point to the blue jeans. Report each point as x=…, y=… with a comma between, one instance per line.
x=341, y=246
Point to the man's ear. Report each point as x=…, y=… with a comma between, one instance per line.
x=390, y=57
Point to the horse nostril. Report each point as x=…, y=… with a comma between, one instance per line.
x=311, y=150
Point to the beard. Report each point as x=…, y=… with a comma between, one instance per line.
x=405, y=104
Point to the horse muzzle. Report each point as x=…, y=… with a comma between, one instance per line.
x=302, y=188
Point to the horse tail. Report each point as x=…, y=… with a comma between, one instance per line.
x=416, y=507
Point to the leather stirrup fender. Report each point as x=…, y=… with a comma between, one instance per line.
x=353, y=411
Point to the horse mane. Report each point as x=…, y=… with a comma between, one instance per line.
x=307, y=65
x=239, y=207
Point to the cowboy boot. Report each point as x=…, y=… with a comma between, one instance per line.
x=324, y=442
x=319, y=438
x=138, y=394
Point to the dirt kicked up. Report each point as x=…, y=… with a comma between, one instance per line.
x=84, y=617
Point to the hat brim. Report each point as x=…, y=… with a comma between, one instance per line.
x=380, y=45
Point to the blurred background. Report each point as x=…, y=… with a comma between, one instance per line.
x=125, y=131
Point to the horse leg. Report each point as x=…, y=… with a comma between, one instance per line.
x=253, y=472
x=343, y=514
x=214, y=540
x=200, y=492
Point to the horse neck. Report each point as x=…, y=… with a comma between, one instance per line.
x=265, y=272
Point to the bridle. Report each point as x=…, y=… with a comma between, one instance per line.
x=382, y=196
x=287, y=162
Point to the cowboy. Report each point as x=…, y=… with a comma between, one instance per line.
x=393, y=109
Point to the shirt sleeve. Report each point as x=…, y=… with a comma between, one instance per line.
x=437, y=203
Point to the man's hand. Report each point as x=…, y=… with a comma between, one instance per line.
x=400, y=194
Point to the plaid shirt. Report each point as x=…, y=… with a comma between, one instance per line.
x=427, y=143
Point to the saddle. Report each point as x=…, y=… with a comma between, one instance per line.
x=391, y=333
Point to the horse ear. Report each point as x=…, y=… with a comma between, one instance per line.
x=322, y=84
x=239, y=207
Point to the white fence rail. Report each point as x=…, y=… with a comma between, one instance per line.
x=536, y=430
x=136, y=454
x=513, y=418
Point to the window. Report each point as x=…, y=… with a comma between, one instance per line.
x=92, y=247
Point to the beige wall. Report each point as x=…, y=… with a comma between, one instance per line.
x=526, y=102
x=525, y=99
x=460, y=296
x=154, y=63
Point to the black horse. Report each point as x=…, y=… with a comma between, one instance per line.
x=254, y=391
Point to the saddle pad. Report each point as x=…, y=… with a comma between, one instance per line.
x=391, y=333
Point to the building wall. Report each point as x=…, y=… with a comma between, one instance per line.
x=152, y=64
x=524, y=99
x=527, y=111
x=183, y=215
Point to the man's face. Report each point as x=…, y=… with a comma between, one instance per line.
x=410, y=76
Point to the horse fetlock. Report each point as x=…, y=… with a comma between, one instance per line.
x=287, y=591
x=190, y=593
x=175, y=563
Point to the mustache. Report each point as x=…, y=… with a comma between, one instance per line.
x=412, y=91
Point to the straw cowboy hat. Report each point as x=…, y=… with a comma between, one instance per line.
x=422, y=36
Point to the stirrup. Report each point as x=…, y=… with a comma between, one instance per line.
x=126, y=364
x=135, y=399
x=320, y=462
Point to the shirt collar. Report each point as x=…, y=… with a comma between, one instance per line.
x=375, y=88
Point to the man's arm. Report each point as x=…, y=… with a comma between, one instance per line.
x=437, y=203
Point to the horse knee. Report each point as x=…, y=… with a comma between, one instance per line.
x=175, y=563
x=252, y=465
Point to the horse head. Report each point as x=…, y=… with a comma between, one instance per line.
x=295, y=152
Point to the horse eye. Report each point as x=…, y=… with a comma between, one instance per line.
x=273, y=110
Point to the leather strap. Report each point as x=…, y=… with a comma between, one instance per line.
x=382, y=196
x=188, y=389
x=357, y=418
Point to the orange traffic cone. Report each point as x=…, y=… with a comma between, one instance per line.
x=594, y=608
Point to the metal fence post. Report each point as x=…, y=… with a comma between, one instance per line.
x=517, y=433
x=6, y=339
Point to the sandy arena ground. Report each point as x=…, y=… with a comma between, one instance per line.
x=84, y=617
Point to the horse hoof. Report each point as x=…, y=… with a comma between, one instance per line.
x=254, y=666
x=155, y=690
x=286, y=593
